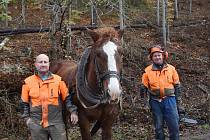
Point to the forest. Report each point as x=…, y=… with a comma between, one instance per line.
x=58, y=28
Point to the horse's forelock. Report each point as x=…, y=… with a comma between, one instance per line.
x=105, y=34
x=104, y=30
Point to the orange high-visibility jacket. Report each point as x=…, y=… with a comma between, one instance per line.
x=45, y=98
x=160, y=83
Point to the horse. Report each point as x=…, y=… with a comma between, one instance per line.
x=96, y=82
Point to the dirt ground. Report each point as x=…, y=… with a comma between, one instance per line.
x=188, y=52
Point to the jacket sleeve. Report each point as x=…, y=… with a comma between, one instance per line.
x=177, y=92
x=69, y=102
x=144, y=85
x=145, y=80
x=67, y=97
x=25, y=93
x=25, y=101
x=176, y=83
x=63, y=90
x=175, y=77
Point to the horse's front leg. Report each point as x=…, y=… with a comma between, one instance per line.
x=84, y=125
x=107, y=130
x=111, y=113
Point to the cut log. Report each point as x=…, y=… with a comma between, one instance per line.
x=73, y=28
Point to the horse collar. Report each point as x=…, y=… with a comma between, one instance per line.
x=89, y=94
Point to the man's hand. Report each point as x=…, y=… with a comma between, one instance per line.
x=74, y=118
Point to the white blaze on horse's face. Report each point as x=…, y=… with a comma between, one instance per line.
x=114, y=87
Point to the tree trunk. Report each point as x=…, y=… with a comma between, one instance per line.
x=23, y=4
x=158, y=12
x=121, y=17
x=6, y=12
x=93, y=13
x=69, y=32
x=121, y=14
x=167, y=24
x=176, y=10
x=190, y=6
x=164, y=22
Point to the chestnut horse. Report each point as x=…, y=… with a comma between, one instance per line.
x=96, y=80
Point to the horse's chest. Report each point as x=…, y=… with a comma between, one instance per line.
x=100, y=112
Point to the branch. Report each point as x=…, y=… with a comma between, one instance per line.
x=7, y=102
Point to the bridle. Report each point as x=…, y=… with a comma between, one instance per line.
x=104, y=76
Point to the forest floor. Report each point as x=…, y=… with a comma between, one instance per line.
x=188, y=50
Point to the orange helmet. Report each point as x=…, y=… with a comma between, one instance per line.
x=157, y=48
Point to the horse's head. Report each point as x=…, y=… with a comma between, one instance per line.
x=107, y=53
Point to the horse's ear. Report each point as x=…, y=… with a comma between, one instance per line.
x=94, y=35
x=120, y=33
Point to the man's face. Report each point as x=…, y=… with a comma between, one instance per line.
x=42, y=63
x=157, y=58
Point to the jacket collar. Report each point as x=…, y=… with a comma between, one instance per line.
x=158, y=68
x=48, y=76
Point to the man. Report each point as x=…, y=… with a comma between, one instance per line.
x=42, y=95
x=161, y=82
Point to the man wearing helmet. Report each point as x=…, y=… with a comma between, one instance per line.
x=161, y=83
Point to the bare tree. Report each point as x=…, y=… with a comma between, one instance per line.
x=167, y=22
x=23, y=4
x=190, y=1
x=93, y=13
x=164, y=21
x=158, y=12
x=69, y=31
x=58, y=9
x=176, y=14
x=6, y=13
x=121, y=17
x=121, y=14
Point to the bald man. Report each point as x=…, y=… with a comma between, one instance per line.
x=42, y=97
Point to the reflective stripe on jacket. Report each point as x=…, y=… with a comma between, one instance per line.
x=160, y=83
x=45, y=98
